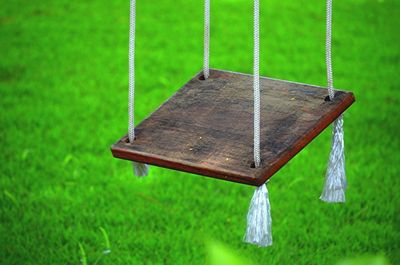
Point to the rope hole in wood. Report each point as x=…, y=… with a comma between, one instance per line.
x=253, y=165
x=127, y=140
x=337, y=93
x=202, y=77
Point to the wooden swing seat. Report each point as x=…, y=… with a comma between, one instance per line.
x=206, y=128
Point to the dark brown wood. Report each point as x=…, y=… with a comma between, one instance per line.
x=206, y=128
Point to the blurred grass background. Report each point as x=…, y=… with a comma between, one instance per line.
x=63, y=102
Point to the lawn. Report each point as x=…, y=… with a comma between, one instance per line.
x=63, y=102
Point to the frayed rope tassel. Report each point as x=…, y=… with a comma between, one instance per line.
x=259, y=220
x=140, y=170
x=335, y=179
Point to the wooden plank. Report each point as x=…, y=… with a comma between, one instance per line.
x=206, y=127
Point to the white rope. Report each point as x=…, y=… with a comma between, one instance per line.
x=259, y=219
x=131, y=101
x=256, y=83
x=335, y=178
x=139, y=169
x=206, y=60
x=328, y=50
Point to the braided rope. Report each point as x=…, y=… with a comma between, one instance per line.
x=206, y=59
x=131, y=100
x=335, y=179
x=328, y=50
x=256, y=83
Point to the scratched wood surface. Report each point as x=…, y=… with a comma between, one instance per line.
x=206, y=128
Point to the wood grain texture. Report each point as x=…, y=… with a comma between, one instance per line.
x=206, y=128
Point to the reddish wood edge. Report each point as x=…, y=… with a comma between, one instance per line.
x=174, y=164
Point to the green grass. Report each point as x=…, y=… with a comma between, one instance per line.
x=63, y=102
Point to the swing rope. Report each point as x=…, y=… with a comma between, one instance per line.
x=206, y=59
x=335, y=178
x=259, y=221
x=328, y=49
x=256, y=84
x=139, y=169
x=131, y=99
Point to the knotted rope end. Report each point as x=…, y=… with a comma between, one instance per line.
x=140, y=170
x=259, y=220
x=335, y=179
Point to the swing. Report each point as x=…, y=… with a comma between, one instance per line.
x=217, y=126
x=205, y=128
